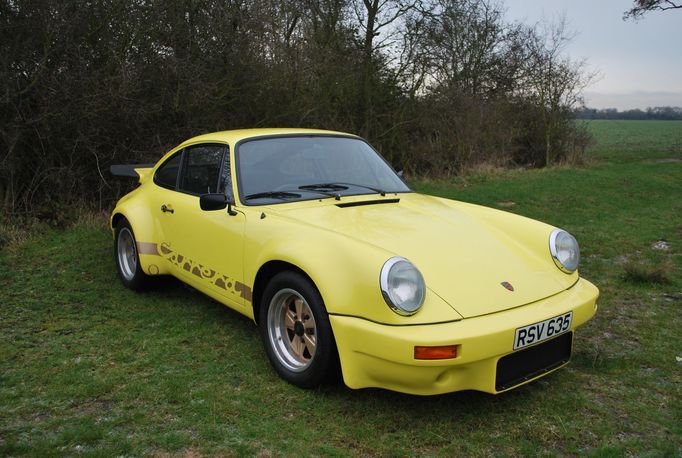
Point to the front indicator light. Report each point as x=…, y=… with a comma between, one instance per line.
x=443, y=352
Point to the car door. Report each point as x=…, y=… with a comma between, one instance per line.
x=204, y=248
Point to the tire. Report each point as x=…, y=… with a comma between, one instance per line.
x=295, y=330
x=126, y=257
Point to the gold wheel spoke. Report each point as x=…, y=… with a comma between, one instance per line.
x=297, y=346
x=298, y=304
x=289, y=319
x=310, y=343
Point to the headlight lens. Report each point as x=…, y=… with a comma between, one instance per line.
x=402, y=286
x=565, y=250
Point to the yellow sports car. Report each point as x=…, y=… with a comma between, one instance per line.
x=313, y=235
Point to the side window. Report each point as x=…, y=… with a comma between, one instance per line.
x=201, y=170
x=167, y=174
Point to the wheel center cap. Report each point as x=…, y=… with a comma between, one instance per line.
x=298, y=328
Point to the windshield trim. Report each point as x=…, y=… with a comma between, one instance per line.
x=238, y=174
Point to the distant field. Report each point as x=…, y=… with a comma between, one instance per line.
x=90, y=368
x=629, y=140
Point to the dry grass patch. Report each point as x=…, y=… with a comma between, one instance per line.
x=647, y=272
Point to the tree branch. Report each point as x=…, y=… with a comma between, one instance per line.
x=641, y=7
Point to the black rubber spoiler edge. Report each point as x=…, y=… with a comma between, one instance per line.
x=128, y=170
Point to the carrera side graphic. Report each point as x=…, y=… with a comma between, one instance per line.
x=204, y=273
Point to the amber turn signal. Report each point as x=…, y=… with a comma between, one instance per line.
x=444, y=352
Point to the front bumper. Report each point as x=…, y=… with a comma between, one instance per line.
x=377, y=355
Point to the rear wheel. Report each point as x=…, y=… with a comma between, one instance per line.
x=127, y=258
x=296, y=332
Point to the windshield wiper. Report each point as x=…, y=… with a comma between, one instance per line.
x=318, y=188
x=340, y=186
x=283, y=195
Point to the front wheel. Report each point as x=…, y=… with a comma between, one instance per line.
x=296, y=332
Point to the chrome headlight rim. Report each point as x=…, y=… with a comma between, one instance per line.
x=385, y=291
x=555, y=253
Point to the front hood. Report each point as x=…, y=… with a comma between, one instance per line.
x=464, y=255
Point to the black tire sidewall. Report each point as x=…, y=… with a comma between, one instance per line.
x=325, y=360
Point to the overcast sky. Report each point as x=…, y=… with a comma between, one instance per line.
x=639, y=62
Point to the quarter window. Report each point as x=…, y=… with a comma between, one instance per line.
x=201, y=169
x=167, y=174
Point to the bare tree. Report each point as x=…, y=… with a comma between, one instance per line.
x=464, y=40
x=377, y=17
x=641, y=7
x=555, y=81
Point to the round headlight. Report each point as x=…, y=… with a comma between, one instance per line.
x=565, y=250
x=402, y=286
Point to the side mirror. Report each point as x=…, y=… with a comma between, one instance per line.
x=400, y=173
x=217, y=201
x=210, y=202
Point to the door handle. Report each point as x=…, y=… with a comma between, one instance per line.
x=165, y=208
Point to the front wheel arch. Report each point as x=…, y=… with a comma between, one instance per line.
x=266, y=272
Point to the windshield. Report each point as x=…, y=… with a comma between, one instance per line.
x=284, y=169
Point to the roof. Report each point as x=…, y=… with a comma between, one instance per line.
x=233, y=136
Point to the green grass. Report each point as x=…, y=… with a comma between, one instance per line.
x=90, y=368
x=629, y=141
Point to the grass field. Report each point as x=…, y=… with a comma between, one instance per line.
x=90, y=368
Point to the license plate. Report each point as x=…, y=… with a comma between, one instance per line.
x=537, y=332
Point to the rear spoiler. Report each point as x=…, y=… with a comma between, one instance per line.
x=131, y=171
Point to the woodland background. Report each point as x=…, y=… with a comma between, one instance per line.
x=438, y=86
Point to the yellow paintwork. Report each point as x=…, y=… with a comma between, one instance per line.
x=464, y=252
x=382, y=356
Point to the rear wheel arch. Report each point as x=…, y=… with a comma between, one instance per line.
x=116, y=219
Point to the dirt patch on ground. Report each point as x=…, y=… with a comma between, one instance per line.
x=94, y=406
